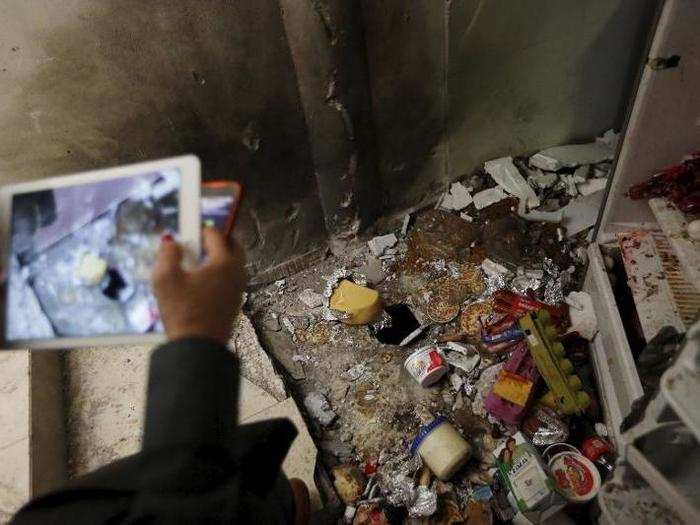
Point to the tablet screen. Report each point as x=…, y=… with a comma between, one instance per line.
x=81, y=257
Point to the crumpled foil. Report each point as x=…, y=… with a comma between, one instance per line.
x=494, y=283
x=395, y=478
x=553, y=430
x=470, y=382
x=332, y=282
x=553, y=288
x=424, y=504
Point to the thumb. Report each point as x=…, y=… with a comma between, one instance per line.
x=169, y=261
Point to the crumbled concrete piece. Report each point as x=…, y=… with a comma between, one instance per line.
x=311, y=298
x=379, y=244
x=582, y=314
x=404, y=225
x=609, y=138
x=457, y=198
x=508, y=177
x=362, y=304
x=488, y=197
x=319, y=408
x=591, y=186
x=581, y=213
x=572, y=155
x=373, y=271
x=349, y=482
x=542, y=180
x=492, y=268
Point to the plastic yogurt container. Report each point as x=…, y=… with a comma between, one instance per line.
x=442, y=448
x=577, y=478
x=426, y=365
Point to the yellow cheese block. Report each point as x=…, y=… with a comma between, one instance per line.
x=363, y=304
x=513, y=388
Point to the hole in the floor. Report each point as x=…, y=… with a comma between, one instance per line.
x=115, y=284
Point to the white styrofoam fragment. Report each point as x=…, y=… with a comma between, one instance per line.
x=572, y=155
x=508, y=177
x=379, y=244
x=488, y=197
x=591, y=186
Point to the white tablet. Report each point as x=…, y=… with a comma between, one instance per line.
x=77, y=252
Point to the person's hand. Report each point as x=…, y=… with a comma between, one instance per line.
x=201, y=302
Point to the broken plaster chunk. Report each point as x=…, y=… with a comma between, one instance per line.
x=488, y=197
x=404, y=225
x=610, y=138
x=572, y=155
x=311, y=299
x=581, y=213
x=361, y=304
x=319, y=408
x=466, y=217
x=381, y=243
x=508, y=177
x=591, y=186
x=457, y=198
x=373, y=271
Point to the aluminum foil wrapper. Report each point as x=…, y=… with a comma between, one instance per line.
x=470, y=382
x=553, y=292
x=395, y=478
x=424, y=504
x=553, y=430
x=494, y=283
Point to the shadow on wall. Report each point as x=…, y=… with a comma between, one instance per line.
x=110, y=82
x=528, y=75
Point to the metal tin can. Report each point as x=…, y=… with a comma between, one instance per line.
x=577, y=478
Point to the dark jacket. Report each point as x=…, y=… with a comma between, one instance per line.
x=196, y=463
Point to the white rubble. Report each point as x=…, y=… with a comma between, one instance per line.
x=572, y=155
x=381, y=243
x=319, y=408
x=541, y=179
x=508, y=177
x=591, y=186
x=581, y=213
x=457, y=198
x=488, y=197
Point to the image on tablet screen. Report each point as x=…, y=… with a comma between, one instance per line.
x=81, y=257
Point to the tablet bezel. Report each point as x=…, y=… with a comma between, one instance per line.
x=189, y=236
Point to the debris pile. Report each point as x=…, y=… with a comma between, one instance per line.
x=437, y=357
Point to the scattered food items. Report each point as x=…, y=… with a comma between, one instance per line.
x=442, y=448
x=362, y=304
x=489, y=282
x=426, y=365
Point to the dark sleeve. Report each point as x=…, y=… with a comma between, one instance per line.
x=192, y=395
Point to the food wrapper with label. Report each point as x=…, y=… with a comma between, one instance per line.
x=523, y=469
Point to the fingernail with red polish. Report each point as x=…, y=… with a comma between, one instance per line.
x=166, y=237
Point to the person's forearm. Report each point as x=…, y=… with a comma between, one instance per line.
x=192, y=394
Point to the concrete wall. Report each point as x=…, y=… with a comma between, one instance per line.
x=459, y=82
x=293, y=97
x=87, y=84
